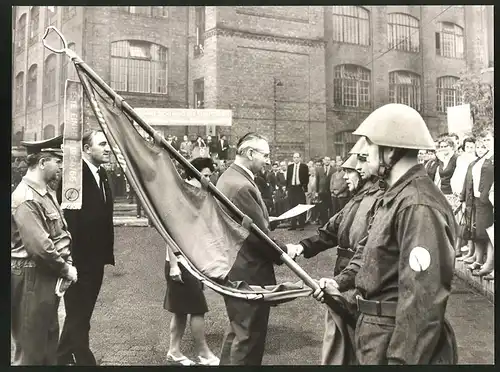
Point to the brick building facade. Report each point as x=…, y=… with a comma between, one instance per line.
x=304, y=76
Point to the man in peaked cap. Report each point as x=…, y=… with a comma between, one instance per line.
x=40, y=254
x=408, y=260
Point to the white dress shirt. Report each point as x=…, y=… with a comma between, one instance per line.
x=95, y=173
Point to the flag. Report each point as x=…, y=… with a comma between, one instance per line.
x=190, y=219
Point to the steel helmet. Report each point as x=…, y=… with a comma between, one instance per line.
x=350, y=162
x=359, y=147
x=396, y=125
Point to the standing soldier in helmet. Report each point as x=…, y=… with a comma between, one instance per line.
x=346, y=230
x=408, y=260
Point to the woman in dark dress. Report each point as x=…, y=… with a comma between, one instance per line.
x=184, y=296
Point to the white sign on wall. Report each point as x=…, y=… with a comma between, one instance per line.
x=168, y=116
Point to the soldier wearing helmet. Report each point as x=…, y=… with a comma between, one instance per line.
x=346, y=229
x=408, y=260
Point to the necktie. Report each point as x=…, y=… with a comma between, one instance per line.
x=101, y=172
x=296, y=174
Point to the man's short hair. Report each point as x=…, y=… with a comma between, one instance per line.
x=448, y=141
x=89, y=136
x=243, y=142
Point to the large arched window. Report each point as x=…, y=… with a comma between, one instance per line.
x=351, y=86
x=448, y=94
x=351, y=24
x=68, y=70
x=20, y=91
x=450, y=41
x=49, y=79
x=51, y=16
x=404, y=87
x=49, y=131
x=139, y=66
x=21, y=33
x=31, y=86
x=34, y=23
x=403, y=32
x=343, y=143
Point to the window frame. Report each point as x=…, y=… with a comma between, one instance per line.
x=19, y=81
x=49, y=79
x=21, y=33
x=395, y=89
x=340, y=85
x=154, y=73
x=199, y=90
x=441, y=92
x=199, y=24
x=32, y=87
x=50, y=20
x=345, y=140
x=456, y=43
x=341, y=17
x=393, y=28
x=34, y=27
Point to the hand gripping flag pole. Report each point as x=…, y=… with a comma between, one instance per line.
x=336, y=303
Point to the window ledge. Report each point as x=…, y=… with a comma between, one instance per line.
x=347, y=43
x=454, y=58
x=404, y=51
x=351, y=109
x=140, y=94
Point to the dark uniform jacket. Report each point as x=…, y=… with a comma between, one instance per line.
x=254, y=263
x=412, y=213
x=344, y=228
x=91, y=226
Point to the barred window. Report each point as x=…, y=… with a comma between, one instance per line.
x=199, y=93
x=51, y=16
x=404, y=87
x=34, y=23
x=138, y=66
x=31, y=86
x=49, y=79
x=68, y=70
x=19, y=91
x=450, y=41
x=351, y=24
x=403, y=32
x=351, y=86
x=21, y=33
x=448, y=94
x=200, y=30
x=68, y=12
x=343, y=143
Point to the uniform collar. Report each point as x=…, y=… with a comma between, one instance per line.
x=417, y=171
x=246, y=170
x=35, y=185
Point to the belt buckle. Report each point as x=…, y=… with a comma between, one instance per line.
x=378, y=305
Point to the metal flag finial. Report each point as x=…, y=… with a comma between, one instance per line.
x=71, y=54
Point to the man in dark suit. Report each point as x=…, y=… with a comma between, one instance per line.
x=297, y=178
x=323, y=176
x=212, y=147
x=222, y=148
x=91, y=228
x=245, y=338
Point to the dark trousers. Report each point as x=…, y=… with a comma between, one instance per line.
x=34, y=325
x=373, y=334
x=245, y=338
x=296, y=196
x=338, y=203
x=325, y=207
x=79, y=301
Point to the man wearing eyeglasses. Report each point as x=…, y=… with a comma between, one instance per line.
x=245, y=338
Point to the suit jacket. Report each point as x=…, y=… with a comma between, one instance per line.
x=254, y=262
x=446, y=173
x=222, y=149
x=323, y=179
x=303, y=175
x=91, y=227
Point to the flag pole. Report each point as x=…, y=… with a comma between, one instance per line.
x=79, y=63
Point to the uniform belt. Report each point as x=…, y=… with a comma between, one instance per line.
x=21, y=262
x=345, y=252
x=377, y=308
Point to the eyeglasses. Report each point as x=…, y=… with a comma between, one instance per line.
x=265, y=155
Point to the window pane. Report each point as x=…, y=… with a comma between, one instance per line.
x=403, y=32
x=350, y=25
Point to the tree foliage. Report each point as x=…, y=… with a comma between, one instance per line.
x=480, y=97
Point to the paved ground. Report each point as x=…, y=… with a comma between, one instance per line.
x=130, y=327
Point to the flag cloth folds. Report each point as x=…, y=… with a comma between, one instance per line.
x=190, y=219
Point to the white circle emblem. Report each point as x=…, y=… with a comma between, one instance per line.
x=420, y=259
